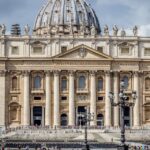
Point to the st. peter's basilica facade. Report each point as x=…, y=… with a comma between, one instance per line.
x=68, y=67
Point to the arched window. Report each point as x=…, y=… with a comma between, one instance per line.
x=100, y=120
x=64, y=120
x=147, y=83
x=37, y=82
x=126, y=81
x=100, y=84
x=82, y=82
x=64, y=84
x=14, y=83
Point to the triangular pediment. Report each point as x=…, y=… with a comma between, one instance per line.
x=83, y=52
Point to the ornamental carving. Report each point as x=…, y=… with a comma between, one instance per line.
x=82, y=52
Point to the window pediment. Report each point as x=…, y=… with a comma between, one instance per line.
x=38, y=43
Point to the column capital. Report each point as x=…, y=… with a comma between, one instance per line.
x=107, y=72
x=56, y=72
x=2, y=73
x=47, y=72
x=26, y=72
x=93, y=72
x=136, y=73
x=116, y=73
x=71, y=72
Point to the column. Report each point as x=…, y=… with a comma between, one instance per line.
x=43, y=116
x=2, y=98
x=136, y=109
x=93, y=98
x=32, y=121
x=71, y=100
x=116, y=100
x=56, y=99
x=107, y=100
x=48, y=100
x=26, y=99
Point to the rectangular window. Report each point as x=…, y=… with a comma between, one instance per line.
x=15, y=50
x=100, y=98
x=37, y=50
x=147, y=52
x=100, y=49
x=125, y=51
x=64, y=98
x=63, y=49
x=37, y=98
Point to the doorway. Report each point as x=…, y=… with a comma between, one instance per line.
x=127, y=116
x=37, y=115
x=81, y=111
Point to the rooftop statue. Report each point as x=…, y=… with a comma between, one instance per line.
x=135, y=30
x=123, y=32
x=26, y=29
x=2, y=29
x=115, y=30
x=106, y=30
x=93, y=30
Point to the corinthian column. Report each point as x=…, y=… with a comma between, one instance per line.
x=93, y=98
x=26, y=99
x=71, y=100
x=136, y=111
x=116, y=100
x=48, y=100
x=107, y=100
x=2, y=98
x=56, y=99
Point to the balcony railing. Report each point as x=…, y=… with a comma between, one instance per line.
x=37, y=91
x=79, y=90
x=14, y=91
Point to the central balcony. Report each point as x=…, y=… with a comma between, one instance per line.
x=82, y=91
x=37, y=91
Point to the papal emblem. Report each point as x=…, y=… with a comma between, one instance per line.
x=82, y=52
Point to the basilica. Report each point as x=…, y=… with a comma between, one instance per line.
x=67, y=65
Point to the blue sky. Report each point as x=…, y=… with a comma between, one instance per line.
x=124, y=13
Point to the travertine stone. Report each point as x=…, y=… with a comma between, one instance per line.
x=71, y=99
x=26, y=99
x=107, y=100
x=56, y=100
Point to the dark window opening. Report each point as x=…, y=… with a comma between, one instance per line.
x=37, y=98
x=100, y=98
x=64, y=98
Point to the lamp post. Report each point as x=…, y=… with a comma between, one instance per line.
x=123, y=102
x=86, y=117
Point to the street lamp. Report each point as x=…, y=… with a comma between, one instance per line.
x=123, y=103
x=86, y=118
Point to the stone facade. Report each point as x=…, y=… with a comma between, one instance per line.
x=49, y=79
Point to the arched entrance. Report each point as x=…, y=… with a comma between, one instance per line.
x=100, y=120
x=37, y=115
x=64, y=120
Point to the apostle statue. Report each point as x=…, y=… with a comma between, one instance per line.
x=2, y=29
x=106, y=30
x=26, y=29
x=82, y=29
x=135, y=31
x=123, y=32
x=115, y=30
x=93, y=30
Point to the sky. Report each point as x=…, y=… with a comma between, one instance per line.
x=123, y=13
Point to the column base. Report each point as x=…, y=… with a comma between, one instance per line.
x=136, y=127
x=123, y=147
